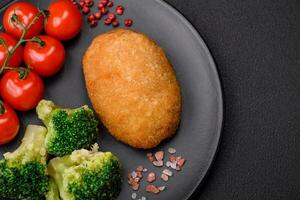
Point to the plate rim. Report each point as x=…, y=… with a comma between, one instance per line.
x=220, y=91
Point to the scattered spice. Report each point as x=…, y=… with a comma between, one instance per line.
x=128, y=22
x=151, y=177
x=104, y=2
x=120, y=10
x=107, y=21
x=159, y=155
x=140, y=168
x=173, y=165
x=133, y=195
x=181, y=162
x=162, y=188
x=157, y=159
x=171, y=150
x=104, y=11
x=145, y=170
x=150, y=157
x=133, y=174
x=93, y=23
x=85, y=10
x=98, y=15
x=167, y=172
x=168, y=164
x=158, y=163
x=115, y=23
x=172, y=158
x=139, y=174
x=164, y=177
x=134, y=179
x=152, y=189
x=110, y=4
x=100, y=6
x=104, y=7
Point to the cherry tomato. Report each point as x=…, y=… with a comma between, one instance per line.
x=21, y=94
x=25, y=12
x=46, y=59
x=16, y=59
x=9, y=123
x=64, y=21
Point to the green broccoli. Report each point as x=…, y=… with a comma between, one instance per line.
x=68, y=129
x=23, y=173
x=87, y=175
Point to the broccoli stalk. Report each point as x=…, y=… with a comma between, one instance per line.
x=87, y=175
x=68, y=129
x=53, y=193
x=23, y=172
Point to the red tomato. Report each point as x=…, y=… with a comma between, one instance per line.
x=16, y=59
x=9, y=124
x=65, y=20
x=21, y=94
x=46, y=60
x=26, y=12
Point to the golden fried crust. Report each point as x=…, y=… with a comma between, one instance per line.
x=133, y=88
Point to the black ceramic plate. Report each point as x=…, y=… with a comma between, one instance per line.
x=199, y=133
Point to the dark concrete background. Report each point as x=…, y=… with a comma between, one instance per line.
x=256, y=45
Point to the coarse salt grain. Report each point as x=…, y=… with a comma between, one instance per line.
x=167, y=172
x=172, y=158
x=159, y=155
x=152, y=189
x=162, y=188
x=151, y=177
x=164, y=177
x=150, y=157
x=173, y=165
x=139, y=174
x=168, y=164
x=158, y=163
x=140, y=168
x=134, y=195
x=133, y=174
x=181, y=162
x=171, y=150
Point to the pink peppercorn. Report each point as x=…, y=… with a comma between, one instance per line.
x=85, y=10
x=110, y=4
x=128, y=22
x=120, y=10
x=107, y=21
x=93, y=23
x=115, y=23
x=91, y=18
x=100, y=6
x=112, y=16
x=98, y=15
x=104, y=2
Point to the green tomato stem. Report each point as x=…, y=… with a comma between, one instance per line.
x=15, y=19
x=2, y=109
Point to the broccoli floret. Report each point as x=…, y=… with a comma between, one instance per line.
x=68, y=129
x=87, y=175
x=23, y=173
